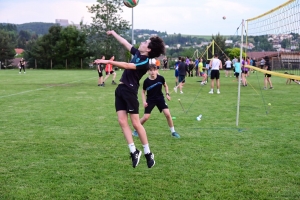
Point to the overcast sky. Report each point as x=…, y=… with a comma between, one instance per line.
x=193, y=17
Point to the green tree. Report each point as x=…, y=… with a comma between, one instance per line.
x=234, y=52
x=285, y=43
x=219, y=44
x=7, y=50
x=106, y=18
x=59, y=45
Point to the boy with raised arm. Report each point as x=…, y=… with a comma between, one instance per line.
x=126, y=94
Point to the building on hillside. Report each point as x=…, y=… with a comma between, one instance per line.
x=228, y=42
x=62, y=22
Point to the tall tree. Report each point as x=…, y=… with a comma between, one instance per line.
x=219, y=44
x=59, y=45
x=7, y=50
x=107, y=17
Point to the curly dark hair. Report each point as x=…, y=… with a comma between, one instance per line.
x=157, y=47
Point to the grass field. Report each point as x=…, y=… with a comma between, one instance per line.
x=60, y=139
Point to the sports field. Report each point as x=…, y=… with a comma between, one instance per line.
x=60, y=139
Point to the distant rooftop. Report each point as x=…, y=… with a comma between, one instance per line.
x=62, y=22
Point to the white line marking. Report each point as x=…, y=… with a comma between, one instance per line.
x=40, y=89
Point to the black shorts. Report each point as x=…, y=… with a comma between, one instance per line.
x=160, y=104
x=244, y=72
x=126, y=99
x=100, y=74
x=215, y=74
x=111, y=72
x=181, y=78
x=236, y=74
x=268, y=75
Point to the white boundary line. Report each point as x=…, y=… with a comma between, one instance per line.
x=41, y=88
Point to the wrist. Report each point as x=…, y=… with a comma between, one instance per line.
x=167, y=94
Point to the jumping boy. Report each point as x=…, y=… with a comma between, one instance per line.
x=153, y=85
x=126, y=99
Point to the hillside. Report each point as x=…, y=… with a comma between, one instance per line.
x=39, y=28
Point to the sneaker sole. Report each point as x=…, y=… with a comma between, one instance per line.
x=140, y=153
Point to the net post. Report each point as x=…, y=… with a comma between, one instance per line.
x=240, y=75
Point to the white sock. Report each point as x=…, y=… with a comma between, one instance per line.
x=132, y=147
x=172, y=129
x=211, y=90
x=146, y=149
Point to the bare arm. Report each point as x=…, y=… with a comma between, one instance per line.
x=144, y=98
x=123, y=65
x=120, y=39
x=220, y=64
x=167, y=91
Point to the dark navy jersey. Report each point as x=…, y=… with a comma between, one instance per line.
x=132, y=77
x=153, y=88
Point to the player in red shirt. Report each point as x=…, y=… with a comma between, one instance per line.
x=109, y=70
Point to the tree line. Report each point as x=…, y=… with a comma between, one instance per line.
x=68, y=46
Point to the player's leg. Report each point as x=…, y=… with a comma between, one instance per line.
x=265, y=82
x=270, y=82
x=106, y=76
x=168, y=116
x=212, y=84
x=114, y=77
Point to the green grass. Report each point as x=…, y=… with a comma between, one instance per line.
x=60, y=139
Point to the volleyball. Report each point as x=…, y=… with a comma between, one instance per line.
x=131, y=3
x=224, y=17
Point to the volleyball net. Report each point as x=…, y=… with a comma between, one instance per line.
x=274, y=37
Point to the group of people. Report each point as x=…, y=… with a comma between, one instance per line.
x=108, y=71
x=212, y=67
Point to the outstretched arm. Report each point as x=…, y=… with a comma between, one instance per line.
x=123, y=65
x=120, y=39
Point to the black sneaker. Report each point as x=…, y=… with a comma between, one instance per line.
x=150, y=159
x=103, y=84
x=114, y=83
x=135, y=157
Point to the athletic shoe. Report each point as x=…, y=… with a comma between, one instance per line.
x=271, y=88
x=135, y=157
x=176, y=135
x=175, y=89
x=150, y=159
x=103, y=84
x=211, y=92
x=181, y=92
x=99, y=84
x=24, y=72
x=135, y=133
x=114, y=83
x=264, y=88
x=218, y=92
x=19, y=72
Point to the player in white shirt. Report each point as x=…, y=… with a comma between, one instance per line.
x=215, y=65
x=228, y=67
